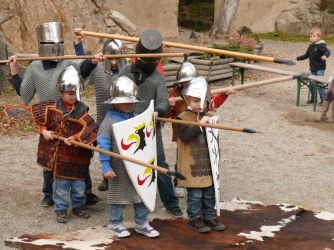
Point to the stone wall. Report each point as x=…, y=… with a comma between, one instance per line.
x=287, y=16
x=150, y=14
x=19, y=19
x=260, y=16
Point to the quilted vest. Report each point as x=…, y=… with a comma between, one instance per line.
x=66, y=162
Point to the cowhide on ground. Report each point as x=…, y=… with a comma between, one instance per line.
x=248, y=226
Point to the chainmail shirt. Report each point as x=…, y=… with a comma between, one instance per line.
x=121, y=189
x=102, y=82
x=44, y=82
x=153, y=88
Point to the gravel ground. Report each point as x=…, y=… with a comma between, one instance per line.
x=270, y=166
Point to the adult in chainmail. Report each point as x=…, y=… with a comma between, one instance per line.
x=41, y=78
x=102, y=77
x=151, y=84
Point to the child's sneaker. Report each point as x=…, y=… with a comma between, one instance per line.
x=119, y=230
x=146, y=230
x=214, y=225
x=81, y=212
x=61, y=216
x=198, y=226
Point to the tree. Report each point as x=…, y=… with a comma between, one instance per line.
x=226, y=15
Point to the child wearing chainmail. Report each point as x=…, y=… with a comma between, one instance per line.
x=66, y=117
x=123, y=96
x=194, y=160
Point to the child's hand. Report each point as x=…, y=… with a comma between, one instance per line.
x=78, y=37
x=109, y=175
x=171, y=101
x=230, y=90
x=296, y=58
x=67, y=141
x=205, y=119
x=13, y=64
x=47, y=135
x=156, y=114
x=324, y=58
x=99, y=57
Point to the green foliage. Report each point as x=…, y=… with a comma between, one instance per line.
x=277, y=36
x=232, y=46
x=199, y=25
x=323, y=5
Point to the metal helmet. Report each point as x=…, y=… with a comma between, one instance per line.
x=198, y=87
x=186, y=72
x=150, y=42
x=114, y=47
x=123, y=90
x=50, y=39
x=70, y=80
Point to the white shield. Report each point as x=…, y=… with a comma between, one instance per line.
x=213, y=145
x=136, y=139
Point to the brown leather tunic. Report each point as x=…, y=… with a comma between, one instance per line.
x=67, y=162
x=194, y=159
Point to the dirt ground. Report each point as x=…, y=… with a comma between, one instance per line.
x=290, y=161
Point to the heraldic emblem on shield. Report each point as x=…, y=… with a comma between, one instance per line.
x=136, y=139
x=213, y=146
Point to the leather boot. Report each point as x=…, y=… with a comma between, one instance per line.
x=324, y=110
x=332, y=115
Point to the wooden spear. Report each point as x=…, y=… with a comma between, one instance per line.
x=106, y=56
x=125, y=158
x=254, y=84
x=198, y=48
x=246, y=130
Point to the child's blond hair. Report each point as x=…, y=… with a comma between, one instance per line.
x=316, y=31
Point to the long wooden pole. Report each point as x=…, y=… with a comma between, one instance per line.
x=92, y=57
x=246, y=130
x=122, y=157
x=254, y=84
x=197, y=48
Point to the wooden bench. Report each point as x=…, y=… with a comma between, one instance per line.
x=301, y=82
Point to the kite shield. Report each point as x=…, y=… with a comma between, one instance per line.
x=136, y=139
x=213, y=146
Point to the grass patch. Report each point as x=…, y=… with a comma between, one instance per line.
x=277, y=36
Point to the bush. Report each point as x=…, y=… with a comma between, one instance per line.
x=199, y=25
x=244, y=30
x=244, y=40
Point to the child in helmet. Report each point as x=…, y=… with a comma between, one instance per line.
x=194, y=160
x=66, y=117
x=185, y=73
x=123, y=96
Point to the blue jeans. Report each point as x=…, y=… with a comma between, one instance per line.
x=63, y=187
x=48, y=180
x=198, y=197
x=165, y=187
x=312, y=88
x=116, y=211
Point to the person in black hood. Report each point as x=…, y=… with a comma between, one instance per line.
x=317, y=53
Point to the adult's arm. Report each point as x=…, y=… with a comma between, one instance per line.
x=28, y=88
x=17, y=81
x=79, y=49
x=161, y=99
